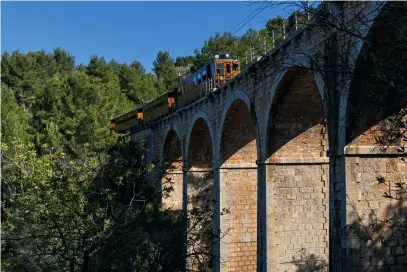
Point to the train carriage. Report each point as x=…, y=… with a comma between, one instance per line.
x=212, y=75
x=160, y=106
x=123, y=122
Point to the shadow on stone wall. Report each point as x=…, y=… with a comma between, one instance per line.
x=377, y=102
x=377, y=238
x=200, y=220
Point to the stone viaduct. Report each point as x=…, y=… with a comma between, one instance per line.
x=290, y=151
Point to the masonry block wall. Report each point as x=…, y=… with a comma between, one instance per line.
x=377, y=240
x=258, y=147
x=239, y=188
x=376, y=206
x=297, y=169
x=200, y=192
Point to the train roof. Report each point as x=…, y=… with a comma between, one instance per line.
x=123, y=116
x=156, y=99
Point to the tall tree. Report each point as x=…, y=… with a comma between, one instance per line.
x=64, y=60
x=275, y=27
x=14, y=118
x=165, y=70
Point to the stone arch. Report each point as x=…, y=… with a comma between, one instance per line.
x=372, y=166
x=172, y=181
x=200, y=115
x=297, y=168
x=237, y=95
x=174, y=129
x=371, y=99
x=200, y=183
x=300, y=61
x=238, y=153
x=370, y=13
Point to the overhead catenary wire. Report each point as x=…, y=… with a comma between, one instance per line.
x=256, y=12
x=260, y=9
x=248, y=16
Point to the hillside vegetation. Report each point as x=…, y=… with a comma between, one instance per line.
x=74, y=197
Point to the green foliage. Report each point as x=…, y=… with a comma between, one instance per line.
x=59, y=215
x=45, y=204
x=102, y=214
x=46, y=100
x=13, y=117
x=165, y=70
x=184, y=61
x=296, y=17
x=218, y=43
x=139, y=87
x=64, y=60
x=73, y=199
x=275, y=26
x=225, y=42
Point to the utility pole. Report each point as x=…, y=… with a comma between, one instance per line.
x=259, y=46
x=265, y=45
x=274, y=41
x=283, y=31
x=296, y=21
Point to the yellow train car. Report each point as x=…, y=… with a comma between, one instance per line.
x=160, y=106
x=212, y=75
x=124, y=122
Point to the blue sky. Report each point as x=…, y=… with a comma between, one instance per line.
x=124, y=31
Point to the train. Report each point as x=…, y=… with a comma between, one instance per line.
x=208, y=78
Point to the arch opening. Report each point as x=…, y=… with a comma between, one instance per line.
x=200, y=196
x=376, y=115
x=172, y=182
x=377, y=95
x=238, y=188
x=297, y=172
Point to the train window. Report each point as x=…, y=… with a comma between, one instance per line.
x=203, y=75
x=219, y=69
x=208, y=71
x=199, y=79
x=228, y=68
x=194, y=81
x=235, y=67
